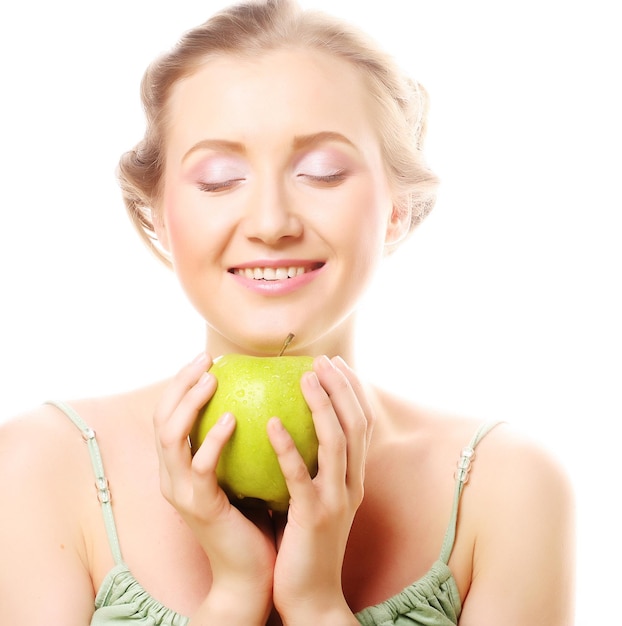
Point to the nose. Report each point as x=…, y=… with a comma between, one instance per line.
x=270, y=216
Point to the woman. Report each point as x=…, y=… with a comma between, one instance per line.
x=282, y=161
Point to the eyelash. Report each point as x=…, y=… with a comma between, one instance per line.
x=328, y=179
x=220, y=186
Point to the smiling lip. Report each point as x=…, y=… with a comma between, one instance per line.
x=276, y=277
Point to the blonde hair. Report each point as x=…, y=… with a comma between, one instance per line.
x=247, y=29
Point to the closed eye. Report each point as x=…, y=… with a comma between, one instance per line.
x=223, y=185
x=325, y=179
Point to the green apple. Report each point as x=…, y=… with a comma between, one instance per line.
x=255, y=389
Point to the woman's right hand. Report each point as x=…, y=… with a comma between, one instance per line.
x=241, y=552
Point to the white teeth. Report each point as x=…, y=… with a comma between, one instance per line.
x=270, y=273
x=281, y=273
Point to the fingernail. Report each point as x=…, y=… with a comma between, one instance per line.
x=225, y=419
x=326, y=362
x=200, y=358
x=204, y=379
x=312, y=379
x=339, y=361
x=277, y=424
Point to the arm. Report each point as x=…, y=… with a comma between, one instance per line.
x=43, y=573
x=241, y=552
x=523, y=566
x=307, y=577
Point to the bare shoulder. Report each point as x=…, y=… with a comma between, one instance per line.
x=512, y=477
x=44, y=468
x=50, y=509
x=507, y=459
x=34, y=443
x=41, y=541
x=44, y=449
x=45, y=436
x=514, y=468
x=519, y=510
x=513, y=558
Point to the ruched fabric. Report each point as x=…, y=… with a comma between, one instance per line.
x=433, y=600
x=121, y=599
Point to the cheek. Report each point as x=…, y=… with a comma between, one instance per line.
x=183, y=225
x=358, y=230
x=370, y=209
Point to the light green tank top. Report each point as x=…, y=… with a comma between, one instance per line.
x=433, y=600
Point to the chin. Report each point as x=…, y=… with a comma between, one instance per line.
x=266, y=332
x=268, y=343
x=263, y=344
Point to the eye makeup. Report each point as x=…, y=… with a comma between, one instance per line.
x=218, y=171
x=325, y=165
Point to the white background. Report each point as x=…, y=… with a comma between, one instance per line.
x=505, y=303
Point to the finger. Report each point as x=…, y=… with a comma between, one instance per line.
x=302, y=488
x=186, y=378
x=347, y=399
x=172, y=432
x=206, y=457
x=295, y=472
x=333, y=444
x=172, y=427
x=361, y=396
x=204, y=479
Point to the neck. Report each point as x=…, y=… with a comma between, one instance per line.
x=337, y=342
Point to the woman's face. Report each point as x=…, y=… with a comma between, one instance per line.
x=275, y=205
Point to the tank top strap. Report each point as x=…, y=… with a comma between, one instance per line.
x=101, y=482
x=461, y=477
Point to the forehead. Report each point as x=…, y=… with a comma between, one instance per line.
x=281, y=92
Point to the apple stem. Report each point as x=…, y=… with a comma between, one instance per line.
x=288, y=340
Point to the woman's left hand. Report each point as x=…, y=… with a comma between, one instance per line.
x=307, y=575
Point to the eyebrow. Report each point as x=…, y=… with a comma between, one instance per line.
x=308, y=141
x=215, y=144
x=300, y=142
